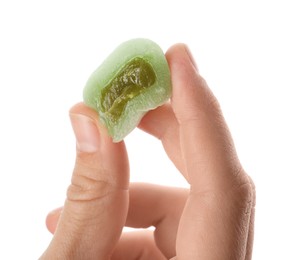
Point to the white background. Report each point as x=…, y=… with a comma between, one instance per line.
x=49, y=48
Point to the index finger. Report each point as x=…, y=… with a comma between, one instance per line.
x=216, y=220
x=206, y=143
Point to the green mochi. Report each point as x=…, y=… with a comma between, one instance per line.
x=134, y=79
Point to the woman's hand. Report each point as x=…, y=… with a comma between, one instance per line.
x=90, y=224
x=214, y=219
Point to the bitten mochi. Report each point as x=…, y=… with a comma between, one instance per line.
x=134, y=79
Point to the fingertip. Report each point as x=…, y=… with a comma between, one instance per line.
x=187, y=85
x=52, y=219
x=191, y=95
x=180, y=52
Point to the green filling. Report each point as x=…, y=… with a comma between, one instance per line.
x=135, y=77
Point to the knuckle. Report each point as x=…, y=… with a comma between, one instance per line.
x=243, y=194
x=253, y=191
x=84, y=188
x=89, y=182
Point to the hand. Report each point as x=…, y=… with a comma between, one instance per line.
x=214, y=219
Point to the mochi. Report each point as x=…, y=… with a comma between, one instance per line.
x=134, y=79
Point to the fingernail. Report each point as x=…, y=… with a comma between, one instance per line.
x=86, y=133
x=192, y=60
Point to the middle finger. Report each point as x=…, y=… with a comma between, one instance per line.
x=158, y=206
x=150, y=205
x=162, y=124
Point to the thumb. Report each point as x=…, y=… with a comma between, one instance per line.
x=97, y=199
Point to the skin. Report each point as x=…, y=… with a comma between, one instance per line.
x=214, y=219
